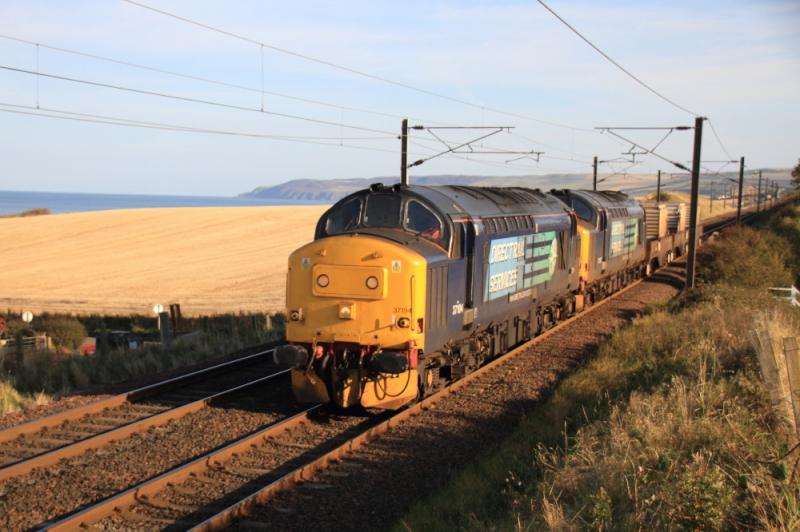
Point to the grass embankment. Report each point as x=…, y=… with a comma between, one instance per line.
x=33, y=380
x=668, y=427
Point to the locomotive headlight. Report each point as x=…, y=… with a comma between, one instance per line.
x=372, y=282
x=296, y=315
x=323, y=281
x=404, y=323
x=347, y=311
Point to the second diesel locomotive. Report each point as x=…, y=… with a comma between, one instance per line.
x=406, y=288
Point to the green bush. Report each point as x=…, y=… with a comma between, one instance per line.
x=66, y=332
x=57, y=374
x=745, y=257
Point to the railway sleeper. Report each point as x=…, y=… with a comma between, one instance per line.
x=71, y=436
x=283, y=443
x=183, y=489
x=248, y=470
x=161, y=503
x=130, y=516
x=50, y=443
x=115, y=421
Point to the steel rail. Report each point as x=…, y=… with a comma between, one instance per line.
x=226, y=517
x=101, y=439
x=96, y=512
x=56, y=419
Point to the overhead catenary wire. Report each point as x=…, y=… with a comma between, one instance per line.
x=719, y=141
x=212, y=81
x=552, y=147
x=262, y=91
x=190, y=99
x=355, y=71
x=648, y=151
x=610, y=59
x=118, y=121
x=494, y=164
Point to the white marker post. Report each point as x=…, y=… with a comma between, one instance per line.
x=158, y=308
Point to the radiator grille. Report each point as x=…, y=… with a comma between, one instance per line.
x=437, y=297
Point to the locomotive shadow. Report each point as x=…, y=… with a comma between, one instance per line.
x=268, y=397
x=673, y=275
x=248, y=488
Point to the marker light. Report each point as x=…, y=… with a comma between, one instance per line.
x=323, y=281
x=372, y=282
x=346, y=312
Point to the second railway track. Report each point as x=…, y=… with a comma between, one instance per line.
x=197, y=416
x=45, y=441
x=222, y=465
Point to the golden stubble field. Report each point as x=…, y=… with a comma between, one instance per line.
x=208, y=259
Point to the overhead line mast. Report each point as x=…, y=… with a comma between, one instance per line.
x=695, y=172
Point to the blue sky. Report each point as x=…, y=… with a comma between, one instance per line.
x=737, y=62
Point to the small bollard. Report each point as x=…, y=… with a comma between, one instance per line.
x=165, y=326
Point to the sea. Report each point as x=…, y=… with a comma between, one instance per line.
x=13, y=202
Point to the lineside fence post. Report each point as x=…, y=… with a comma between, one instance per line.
x=693, y=214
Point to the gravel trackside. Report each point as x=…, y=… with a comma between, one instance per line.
x=374, y=486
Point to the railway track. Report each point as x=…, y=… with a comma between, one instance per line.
x=43, y=442
x=218, y=488
x=195, y=491
x=210, y=492
x=212, y=489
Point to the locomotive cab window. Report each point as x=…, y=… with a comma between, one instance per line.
x=583, y=210
x=383, y=210
x=344, y=218
x=421, y=221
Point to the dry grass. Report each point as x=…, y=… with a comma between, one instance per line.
x=669, y=427
x=11, y=400
x=211, y=260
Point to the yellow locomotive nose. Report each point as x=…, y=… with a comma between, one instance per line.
x=356, y=306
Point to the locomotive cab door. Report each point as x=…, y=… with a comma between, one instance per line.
x=461, y=285
x=468, y=252
x=605, y=230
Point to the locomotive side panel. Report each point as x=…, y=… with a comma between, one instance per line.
x=408, y=288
